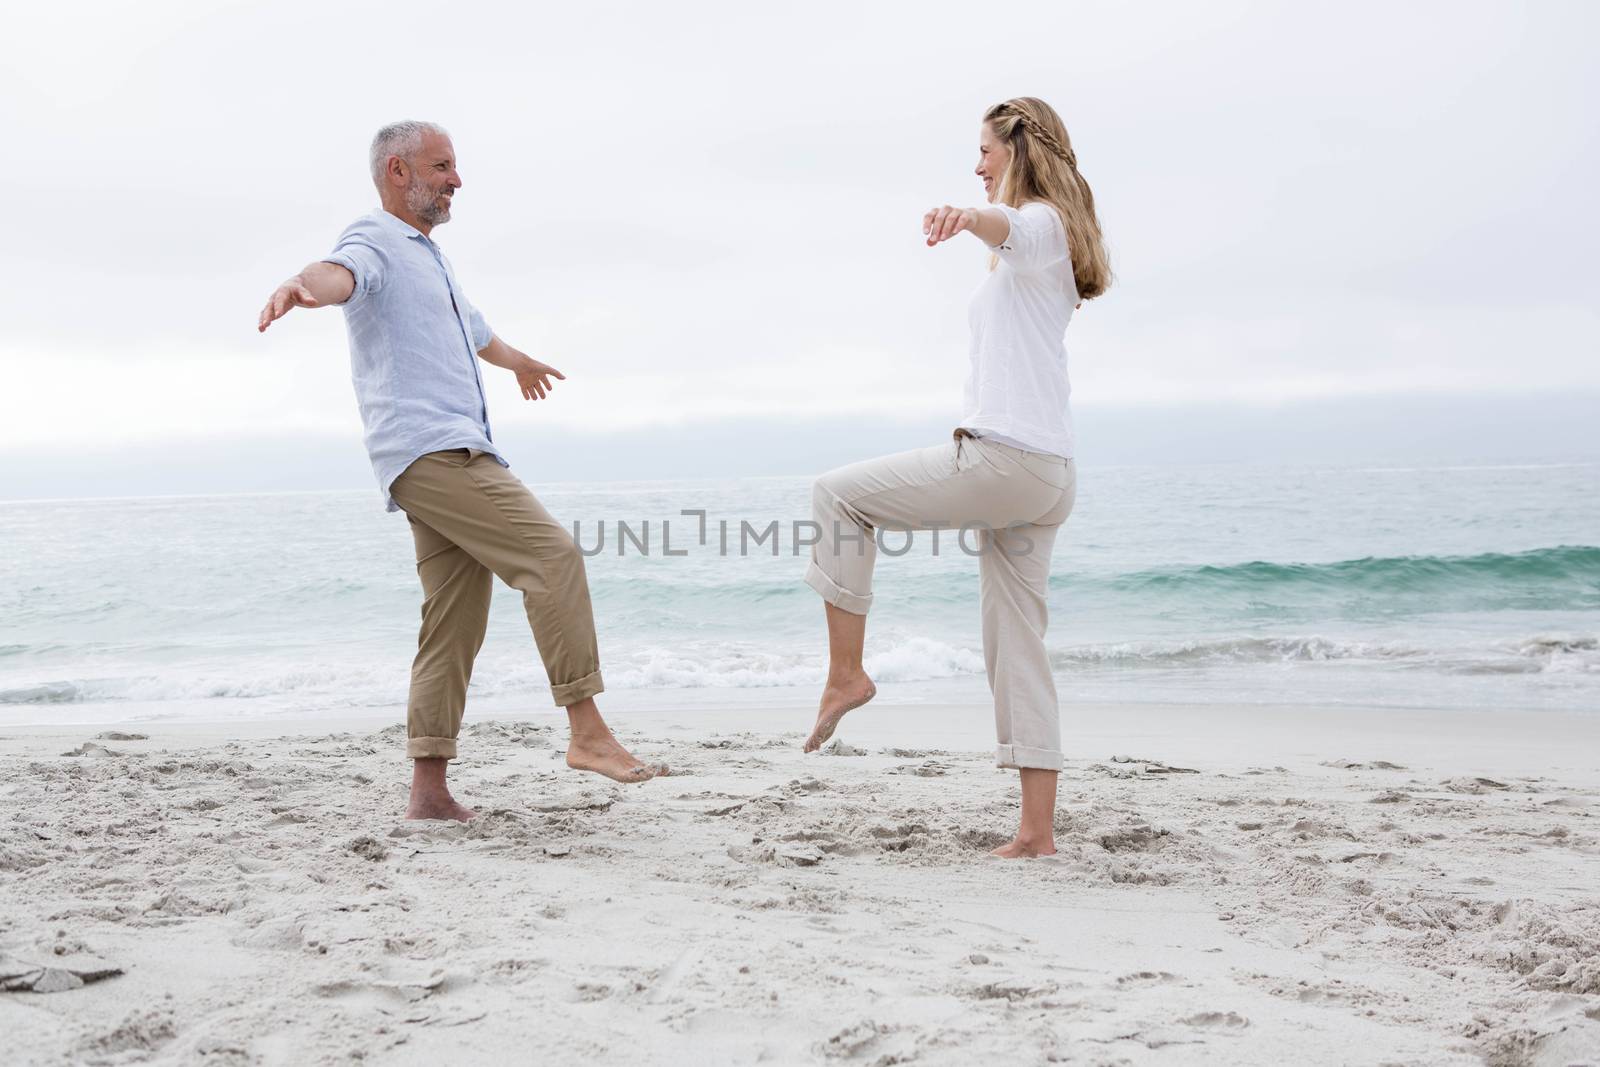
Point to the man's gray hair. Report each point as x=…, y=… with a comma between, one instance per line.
x=401, y=139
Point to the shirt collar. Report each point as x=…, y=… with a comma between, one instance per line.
x=395, y=222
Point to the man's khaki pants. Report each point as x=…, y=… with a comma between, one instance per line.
x=472, y=520
x=1011, y=503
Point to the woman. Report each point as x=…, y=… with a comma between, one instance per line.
x=1008, y=475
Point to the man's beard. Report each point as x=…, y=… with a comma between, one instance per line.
x=424, y=203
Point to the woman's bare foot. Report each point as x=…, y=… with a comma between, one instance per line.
x=1018, y=848
x=839, y=696
x=1036, y=836
x=436, y=808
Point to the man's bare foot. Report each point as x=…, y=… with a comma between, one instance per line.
x=605, y=755
x=430, y=796
x=838, y=697
x=1019, y=849
x=439, y=808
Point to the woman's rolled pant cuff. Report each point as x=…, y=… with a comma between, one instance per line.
x=1020, y=756
x=836, y=594
x=430, y=748
x=569, y=693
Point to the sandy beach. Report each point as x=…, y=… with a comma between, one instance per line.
x=1234, y=886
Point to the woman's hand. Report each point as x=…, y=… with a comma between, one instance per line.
x=534, y=377
x=943, y=223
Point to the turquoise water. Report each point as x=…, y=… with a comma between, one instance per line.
x=1436, y=587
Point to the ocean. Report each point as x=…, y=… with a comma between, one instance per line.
x=1406, y=587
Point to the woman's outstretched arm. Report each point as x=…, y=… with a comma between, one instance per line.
x=988, y=224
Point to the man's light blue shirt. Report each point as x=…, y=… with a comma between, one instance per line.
x=414, y=340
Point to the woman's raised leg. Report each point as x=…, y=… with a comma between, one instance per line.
x=905, y=491
x=848, y=686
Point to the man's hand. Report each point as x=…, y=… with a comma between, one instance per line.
x=943, y=223
x=319, y=285
x=534, y=377
x=291, y=294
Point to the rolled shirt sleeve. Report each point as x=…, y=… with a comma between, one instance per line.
x=481, y=334
x=1037, y=238
x=363, y=256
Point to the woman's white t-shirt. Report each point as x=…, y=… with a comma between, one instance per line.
x=1017, y=392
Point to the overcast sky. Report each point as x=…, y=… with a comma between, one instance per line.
x=710, y=212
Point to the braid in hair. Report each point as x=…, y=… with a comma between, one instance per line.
x=1030, y=176
x=1044, y=136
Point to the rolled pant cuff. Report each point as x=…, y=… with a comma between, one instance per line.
x=1019, y=756
x=568, y=693
x=430, y=748
x=836, y=594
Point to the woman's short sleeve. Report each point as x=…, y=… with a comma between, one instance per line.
x=1036, y=239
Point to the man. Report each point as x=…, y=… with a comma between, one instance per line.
x=415, y=342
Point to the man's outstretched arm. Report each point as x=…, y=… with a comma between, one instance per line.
x=319, y=285
x=533, y=377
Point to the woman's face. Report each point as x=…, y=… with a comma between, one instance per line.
x=994, y=156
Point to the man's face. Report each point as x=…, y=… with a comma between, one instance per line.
x=433, y=179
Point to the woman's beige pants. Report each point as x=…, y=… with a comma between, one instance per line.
x=1010, y=503
x=472, y=520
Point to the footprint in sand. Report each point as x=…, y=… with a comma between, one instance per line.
x=380, y=992
x=1131, y=838
x=1148, y=978
x=1151, y=766
x=1472, y=785
x=1012, y=990
x=140, y=1033
x=368, y=848
x=1224, y=1020
x=856, y=1040
x=796, y=855
x=926, y=769
x=1354, y=765
x=583, y=801
x=89, y=748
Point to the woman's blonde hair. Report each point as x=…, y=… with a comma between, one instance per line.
x=1044, y=167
